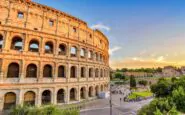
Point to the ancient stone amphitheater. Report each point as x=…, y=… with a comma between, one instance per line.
x=48, y=56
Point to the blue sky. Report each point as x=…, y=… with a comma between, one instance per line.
x=142, y=33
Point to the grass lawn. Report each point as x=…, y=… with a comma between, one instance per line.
x=140, y=94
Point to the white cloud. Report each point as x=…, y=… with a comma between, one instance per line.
x=101, y=26
x=159, y=59
x=114, y=49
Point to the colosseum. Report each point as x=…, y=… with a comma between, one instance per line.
x=48, y=56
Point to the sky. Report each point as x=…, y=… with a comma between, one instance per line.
x=142, y=33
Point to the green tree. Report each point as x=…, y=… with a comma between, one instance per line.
x=132, y=82
x=143, y=82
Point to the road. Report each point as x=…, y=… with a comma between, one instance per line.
x=101, y=107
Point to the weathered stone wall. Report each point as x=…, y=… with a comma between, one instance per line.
x=34, y=23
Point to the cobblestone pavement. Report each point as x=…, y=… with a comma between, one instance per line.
x=101, y=107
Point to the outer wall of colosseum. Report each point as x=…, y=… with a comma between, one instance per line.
x=48, y=56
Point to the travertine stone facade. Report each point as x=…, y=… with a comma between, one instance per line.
x=48, y=56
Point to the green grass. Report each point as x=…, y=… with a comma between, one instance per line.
x=134, y=95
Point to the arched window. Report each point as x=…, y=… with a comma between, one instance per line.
x=62, y=49
x=47, y=71
x=49, y=47
x=97, y=90
x=73, y=72
x=90, y=55
x=1, y=41
x=82, y=93
x=101, y=74
x=102, y=88
x=17, y=43
x=73, y=94
x=13, y=70
x=82, y=72
x=9, y=100
x=96, y=72
x=29, y=98
x=31, y=71
x=73, y=51
x=90, y=72
x=34, y=46
x=61, y=71
x=61, y=96
x=91, y=91
x=82, y=53
x=46, y=97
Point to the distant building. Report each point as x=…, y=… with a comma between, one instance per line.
x=170, y=71
x=138, y=74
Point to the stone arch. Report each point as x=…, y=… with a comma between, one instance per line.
x=47, y=72
x=90, y=54
x=73, y=72
x=34, y=45
x=46, y=97
x=73, y=94
x=61, y=71
x=96, y=72
x=97, y=90
x=62, y=49
x=61, y=96
x=17, y=43
x=49, y=47
x=13, y=70
x=31, y=71
x=9, y=100
x=82, y=72
x=90, y=72
x=29, y=98
x=73, y=51
x=90, y=93
x=83, y=93
x=82, y=53
x=1, y=41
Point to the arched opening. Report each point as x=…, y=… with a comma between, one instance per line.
x=61, y=96
x=49, y=47
x=102, y=88
x=29, y=98
x=97, y=72
x=9, y=100
x=90, y=55
x=73, y=51
x=91, y=91
x=1, y=41
x=47, y=71
x=61, y=71
x=101, y=73
x=82, y=53
x=34, y=46
x=73, y=72
x=13, y=70
x=17, y=43
x=62, y=49
x=82, y=93
x=73, y=94
x=31, y=71
x=46, y=97
x=82, y=72
x=90, y=72
x=97, y=90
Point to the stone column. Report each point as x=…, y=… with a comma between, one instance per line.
x=6, y=41
x=78, y=71
x=68, y=72
x=41, y=46
x=20, y=98
x=54, y=96
x=67, y=95
x=40, y=72
x=78, y=93
x=38, y=97
x=1, y=101
x=55, y=72
x=68, y=51
x=23, y=72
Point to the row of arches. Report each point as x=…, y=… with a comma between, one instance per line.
x=46, y=96
x=17, y=44
x=32, y=71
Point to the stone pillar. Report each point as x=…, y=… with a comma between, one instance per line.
x=40, y=76
x=68, y=72
x=20, y=98
x=68, y=54
x=41, y=46
x=55, y=72
x=86, y=72
x=78, y=71
x=23, y=71
x=7, y=41
x=1, y=101
x=54, y=96
x=38, y=97
x=78, y=93
x=67, y=95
